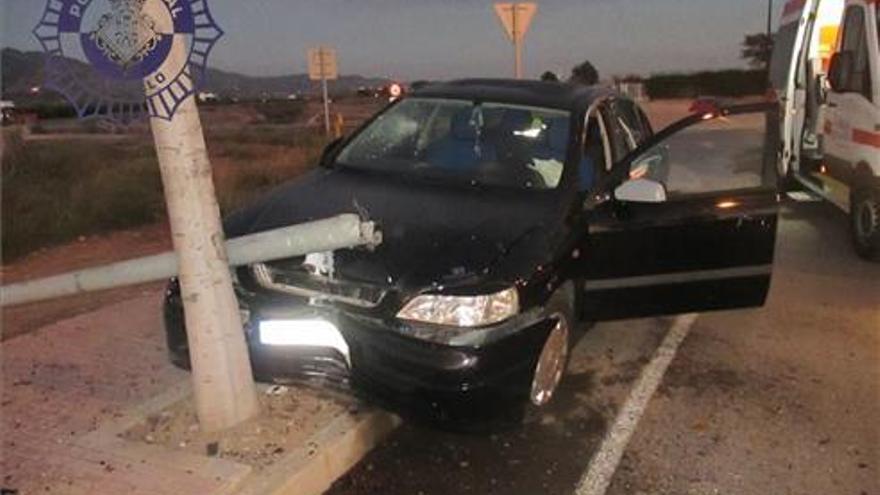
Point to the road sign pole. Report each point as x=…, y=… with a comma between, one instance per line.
x=516, y=19
x=224, y=388
x=326, y=106
x=323, y=67
x=517, y=45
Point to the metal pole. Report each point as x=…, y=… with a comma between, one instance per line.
x=340, y=232
x=326, y=106
x=769, y=18
x=517, y=44
x=223, y=384
x=322, y=52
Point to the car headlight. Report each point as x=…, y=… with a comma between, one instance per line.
x=462, y=311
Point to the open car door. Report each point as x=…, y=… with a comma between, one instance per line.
x=788, y=78
x=687, y=222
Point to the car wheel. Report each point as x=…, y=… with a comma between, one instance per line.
x=865, y=223
x=553, y=359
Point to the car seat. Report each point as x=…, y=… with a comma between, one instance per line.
x=556, y=148
x=458, y=151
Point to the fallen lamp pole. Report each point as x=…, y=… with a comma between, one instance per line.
x=341, y=232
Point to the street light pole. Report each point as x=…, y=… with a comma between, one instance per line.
x=223, y=384
x=769, y=18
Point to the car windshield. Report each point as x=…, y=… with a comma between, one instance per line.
x=463, y=141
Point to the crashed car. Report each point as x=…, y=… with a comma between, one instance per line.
x=511, y=213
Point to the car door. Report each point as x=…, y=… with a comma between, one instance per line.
x=788, y=79
x=701, y=238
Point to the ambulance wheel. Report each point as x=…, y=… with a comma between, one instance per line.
x=865, y=223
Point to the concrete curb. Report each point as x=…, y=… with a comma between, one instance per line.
x=308, y=470
x=108, y=438
x=313, y=468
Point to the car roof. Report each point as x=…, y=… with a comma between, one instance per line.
x=515, y=91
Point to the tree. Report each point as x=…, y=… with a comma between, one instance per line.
x=549, y=76
x=584, y=73
x=758, y=49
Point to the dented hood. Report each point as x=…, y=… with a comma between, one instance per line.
x=432, y=234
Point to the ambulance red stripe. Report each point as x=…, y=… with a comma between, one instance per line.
x=867, y=138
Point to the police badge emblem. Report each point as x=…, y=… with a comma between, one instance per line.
x=110, y=58
x=127, y=34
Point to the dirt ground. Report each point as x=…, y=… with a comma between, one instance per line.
x=288, y=419
x=85, y=252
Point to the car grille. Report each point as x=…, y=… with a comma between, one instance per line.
x=299, y=282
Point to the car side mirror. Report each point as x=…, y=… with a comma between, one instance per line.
x=641, y=191
x=839, y=71
x=329, y=151
x=653, y=165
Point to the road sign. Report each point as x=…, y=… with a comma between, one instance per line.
x=323, y=67
x=322, y=64
x=516, y=19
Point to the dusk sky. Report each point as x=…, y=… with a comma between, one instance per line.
x=414, y=39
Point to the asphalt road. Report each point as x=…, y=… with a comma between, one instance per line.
x=783, y=399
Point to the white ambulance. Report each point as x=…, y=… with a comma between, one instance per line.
x=826, y=75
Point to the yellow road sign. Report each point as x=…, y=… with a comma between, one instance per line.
x=322, y=64
x=516, y=18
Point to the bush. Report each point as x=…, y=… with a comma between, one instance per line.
x=281, y=112
x=727, y=83
x=47, y=110
x=56, y=191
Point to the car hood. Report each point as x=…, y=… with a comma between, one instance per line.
x=432, y=234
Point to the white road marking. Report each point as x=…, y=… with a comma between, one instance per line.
x=604, y=463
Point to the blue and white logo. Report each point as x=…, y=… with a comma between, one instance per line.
x=112, y=57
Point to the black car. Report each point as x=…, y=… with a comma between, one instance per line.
x=511, y=211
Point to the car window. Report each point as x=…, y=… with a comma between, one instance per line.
x=621, y=139
x=722, y=154
x=594, y=160
x=783, y=52
x=646, y=123
x=467, y=142
x=855, y=40
x=632, y=123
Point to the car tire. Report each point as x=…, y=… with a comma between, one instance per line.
x=865, y=223
x=553, y=358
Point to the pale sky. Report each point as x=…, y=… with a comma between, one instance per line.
x=442, y=39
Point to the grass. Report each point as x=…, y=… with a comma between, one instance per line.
x=281, y=112
x=56, y=191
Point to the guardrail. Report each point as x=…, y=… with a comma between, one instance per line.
x=340, y=232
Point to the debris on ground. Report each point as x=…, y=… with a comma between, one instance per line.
x=290, y=417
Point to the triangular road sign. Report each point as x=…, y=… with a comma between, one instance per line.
x=516, y=18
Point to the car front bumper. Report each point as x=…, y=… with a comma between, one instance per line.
x=467, y=386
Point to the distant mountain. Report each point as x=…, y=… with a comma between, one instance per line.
x=20, y=71
x=233, y=84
